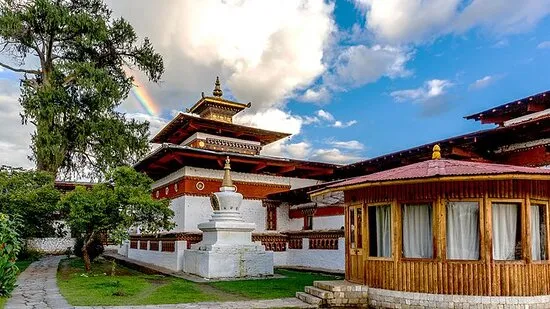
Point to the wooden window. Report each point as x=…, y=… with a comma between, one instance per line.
x=539, y=237
x=271, y=218
x=379, y=218
x=506, y=221
x=463, y=233
x=308, y=222
x=417, y=230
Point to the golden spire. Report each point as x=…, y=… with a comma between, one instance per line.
x=227, y=182
x=217, y=88
x=436, y=155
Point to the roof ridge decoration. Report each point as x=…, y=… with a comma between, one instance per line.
x=217, y=88
x=436, y=154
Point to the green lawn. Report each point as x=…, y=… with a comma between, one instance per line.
x=129, y=287
x=22, y=265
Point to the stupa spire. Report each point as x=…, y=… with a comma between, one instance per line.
x=227, y=182
x=217, y=88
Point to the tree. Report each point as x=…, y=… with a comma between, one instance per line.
x=31, y=196
x=125, y=202
x=10, y=244
x=71, y=95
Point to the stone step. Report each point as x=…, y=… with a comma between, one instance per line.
x=340, y=286
x=308, y=298
x=324, y=294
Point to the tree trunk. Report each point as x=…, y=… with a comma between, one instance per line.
x=86, y=258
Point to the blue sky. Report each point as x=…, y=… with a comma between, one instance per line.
x=350, y=79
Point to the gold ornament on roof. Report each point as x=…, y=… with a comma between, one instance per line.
x=217, y=88
x=227, y=182
x=436, y=154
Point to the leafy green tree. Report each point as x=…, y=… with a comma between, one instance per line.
x=125, y=202
x=10, y=244
x=75, y=58
x=32, y=196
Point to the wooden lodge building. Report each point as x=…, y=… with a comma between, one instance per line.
x=187, y=168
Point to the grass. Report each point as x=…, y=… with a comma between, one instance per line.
x=130, y=287
x=22, y=265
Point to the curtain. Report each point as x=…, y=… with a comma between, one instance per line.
x=383, y=231
x=417, y=231
x=535, y=233
x=463, y=230
x=505, y=224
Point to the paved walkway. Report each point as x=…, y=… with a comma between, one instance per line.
x=37, y=289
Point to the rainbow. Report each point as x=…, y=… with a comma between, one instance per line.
x=140, y=93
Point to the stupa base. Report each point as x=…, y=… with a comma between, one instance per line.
x=229, y=262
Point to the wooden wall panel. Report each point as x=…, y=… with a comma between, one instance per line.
x=438, y=275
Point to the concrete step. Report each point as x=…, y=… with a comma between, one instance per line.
x=308, y=298
x=340, y=286
x=324, y=294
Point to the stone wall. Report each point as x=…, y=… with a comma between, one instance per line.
x=51, y=245
x=379, y=298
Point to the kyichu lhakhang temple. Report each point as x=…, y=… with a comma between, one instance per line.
x=455, y=223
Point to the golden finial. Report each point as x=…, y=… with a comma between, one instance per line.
x=217, y=88
x=227, y=182
x=436, y=155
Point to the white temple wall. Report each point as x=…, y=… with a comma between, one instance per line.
x=296, y=224
x=283, y=220
x=333, y=260
x=328, y=222
x=178, y=206
x=170, y=260
x=236, y=176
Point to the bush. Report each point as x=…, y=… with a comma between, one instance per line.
x=95, y=249
x=10, y=245
x=27, y=254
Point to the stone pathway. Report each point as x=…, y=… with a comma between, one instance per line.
x=37, y=287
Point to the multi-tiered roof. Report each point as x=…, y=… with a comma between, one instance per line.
x=206, y=134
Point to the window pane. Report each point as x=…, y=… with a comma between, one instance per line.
x=417, y=231
x=463, y=231
x=538, y=232
x=359, y=227
x=380, y=231
x=351, y=228
x=506, y=231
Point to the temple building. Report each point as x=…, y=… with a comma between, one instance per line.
x=187, y=168
x=301, y=230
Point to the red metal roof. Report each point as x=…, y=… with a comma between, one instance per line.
x=443, y=167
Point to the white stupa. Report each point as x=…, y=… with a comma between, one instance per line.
x=226, y=249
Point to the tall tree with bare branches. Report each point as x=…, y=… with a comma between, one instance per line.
x=73, y=56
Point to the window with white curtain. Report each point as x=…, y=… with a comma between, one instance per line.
x=417, y=231
x=380, y=231
x=506, y=231
x=538, y=232
x=463, y=230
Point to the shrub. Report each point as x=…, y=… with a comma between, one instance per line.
x=10, y=245
x=95, y=249
x=28, y=254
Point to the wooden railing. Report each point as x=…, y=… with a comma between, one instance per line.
x=271, y=241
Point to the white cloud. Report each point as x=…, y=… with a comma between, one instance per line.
x=501, y=43
x=432, y=96
x=430, y=89
x=15, y=138
x=272, y=119
x=325, y=115
x=359, y=65
x=351, y=145
x=483, y=82
x=340, y=124
x=155, y=123
x=544, y=45
x=321, y=94
x=262, y=58
x=405, y=21
x=334, y=155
